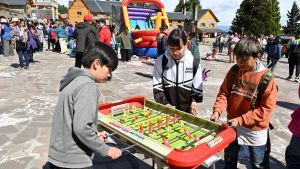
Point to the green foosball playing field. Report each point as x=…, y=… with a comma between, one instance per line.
x=169, y=130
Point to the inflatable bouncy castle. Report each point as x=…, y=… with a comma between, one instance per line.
x=143, y=18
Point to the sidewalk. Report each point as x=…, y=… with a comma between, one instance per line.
x=28, y=98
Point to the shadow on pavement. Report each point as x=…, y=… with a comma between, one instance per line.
x=15, y=65
x=287, y=105
x=144, y=75
x=149, y=63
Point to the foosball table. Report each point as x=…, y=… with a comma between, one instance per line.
x=173, y=138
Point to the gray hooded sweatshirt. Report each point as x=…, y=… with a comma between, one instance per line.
x=74, y=128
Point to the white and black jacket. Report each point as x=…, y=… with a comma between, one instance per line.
x=175, y=84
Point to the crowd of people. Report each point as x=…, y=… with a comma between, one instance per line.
x=248, y=92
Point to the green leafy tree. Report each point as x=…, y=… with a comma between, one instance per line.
x=62, y=9
x=188, y=4
x=275, y=20
x=257, y=17
x=293, y=20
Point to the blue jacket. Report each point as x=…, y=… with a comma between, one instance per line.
x=6, y=35
x=61, y=32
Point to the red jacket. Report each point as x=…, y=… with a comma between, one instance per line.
x=105, y=35
x=294, y=125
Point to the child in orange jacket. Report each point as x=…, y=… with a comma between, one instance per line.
x=250, y=122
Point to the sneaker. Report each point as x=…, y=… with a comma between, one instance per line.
x=289, y=78
x=26, y=67
x=297, y=79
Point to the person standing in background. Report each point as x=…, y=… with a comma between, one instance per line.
x=125, y=45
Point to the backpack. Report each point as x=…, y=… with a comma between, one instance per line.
x=262, y=86
x=195, y=64
x=53, y=35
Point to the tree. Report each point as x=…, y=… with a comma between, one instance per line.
x=257, y=17
x=275, y=22
x=62, y=9
x=293, y=19
x=189, y=5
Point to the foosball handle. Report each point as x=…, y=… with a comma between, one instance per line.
x=166, y=142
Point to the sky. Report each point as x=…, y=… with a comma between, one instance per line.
x=224, y=9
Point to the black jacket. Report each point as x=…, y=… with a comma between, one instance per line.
x=85, y=34
x=176, y=84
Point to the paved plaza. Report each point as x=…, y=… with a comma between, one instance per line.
x=28, y=98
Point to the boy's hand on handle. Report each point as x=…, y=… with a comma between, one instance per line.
x=114, y=153
x=233, y=123
x=193, y=108
x=102, y=136
x=215, y=116
x=173, y=107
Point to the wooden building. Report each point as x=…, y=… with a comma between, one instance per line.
x=99, y=9
x=205, y=23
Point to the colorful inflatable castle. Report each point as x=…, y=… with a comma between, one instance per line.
x=143, y=18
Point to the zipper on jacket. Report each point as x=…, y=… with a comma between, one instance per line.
x=177, y=89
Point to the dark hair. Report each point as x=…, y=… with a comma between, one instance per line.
x=101, y=20
x=176, y=36
x=103, y=52
x=247, y=47
x=163, y=27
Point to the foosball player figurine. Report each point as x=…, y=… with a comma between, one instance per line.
x=175, y=118
x=150, y=127
x=187, y=133
x=149, y=114
x=168, y=131
x=135, y=119
x=167, y=120
x=182, y=126
x=159, y=124
x=196, y=138
x=141, y=128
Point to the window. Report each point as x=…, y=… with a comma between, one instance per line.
x=212, y=25
x=179, y=21
x=79, y=13
x=202, y=24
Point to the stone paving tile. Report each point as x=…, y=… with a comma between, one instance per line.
x=28, y=98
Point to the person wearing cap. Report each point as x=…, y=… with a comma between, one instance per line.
x=85, y=34
x=6, y=38
x=104, y=33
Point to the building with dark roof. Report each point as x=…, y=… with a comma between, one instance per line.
x=15, y=8
x=204, y=20
x=44, y=9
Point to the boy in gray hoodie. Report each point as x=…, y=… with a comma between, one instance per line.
x=74, y=136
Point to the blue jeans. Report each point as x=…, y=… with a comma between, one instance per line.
x=257, y=154
x=23, y=54
x=292, y=154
